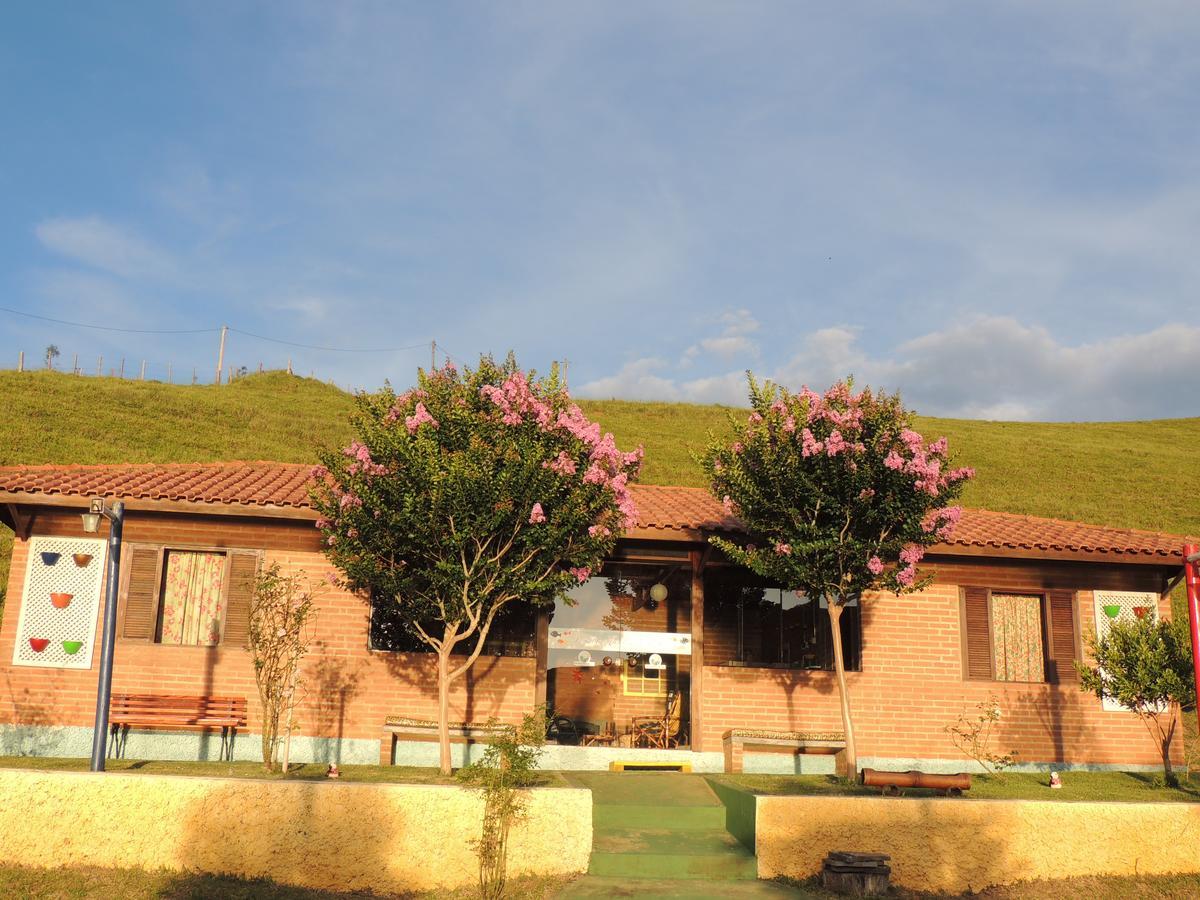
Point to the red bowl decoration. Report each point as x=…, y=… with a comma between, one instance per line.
x=61, y=601
x=1140, y=611
x=39, y=644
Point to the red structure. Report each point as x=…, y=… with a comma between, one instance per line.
x=1191, y=572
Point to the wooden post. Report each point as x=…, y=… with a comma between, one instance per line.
x=260, y=367
x=122, y=367
x=698, y=558
x=193, y=374
x=21, y=361
x=99, y=366
x=290, y=366
x=170, y=374
x=221, y=353
x=542, y=655
x=432, y=355
x=142, y=375
x=75, y=364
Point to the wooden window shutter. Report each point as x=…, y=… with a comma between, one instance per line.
x=1063, y=650
x=142, y=578
x=977, y=634
x=243, y=567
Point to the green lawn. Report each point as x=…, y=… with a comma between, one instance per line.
x=1140, y=787
x=1098, y=887
x=246, y=769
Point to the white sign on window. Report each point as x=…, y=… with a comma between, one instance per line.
x=604, y=640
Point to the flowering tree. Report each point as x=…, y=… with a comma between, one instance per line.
x=840, y=496
x=472, y=491
x=1146, y=666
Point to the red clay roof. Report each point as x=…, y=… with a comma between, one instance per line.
x=660, y=508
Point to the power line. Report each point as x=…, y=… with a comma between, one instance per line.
x=263, y=337
x=17, y=312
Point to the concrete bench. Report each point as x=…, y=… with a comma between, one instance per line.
x=399, y=728
x=735, y=742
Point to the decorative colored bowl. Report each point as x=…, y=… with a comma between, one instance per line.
x=71, y=647
x=1112, y=611
x=1140, y=611
x=39, y=644
x=82, y=559
x=61, y=601
x=50, y=558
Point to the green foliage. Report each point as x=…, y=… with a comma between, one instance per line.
x=1145, y=665
x=280, y=610
x=473, y=490
x=972, y=735
x=844, y=494
x=509, y=764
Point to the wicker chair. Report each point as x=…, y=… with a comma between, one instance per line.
x=659, y=732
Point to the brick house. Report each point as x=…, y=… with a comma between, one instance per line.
x=662, y=656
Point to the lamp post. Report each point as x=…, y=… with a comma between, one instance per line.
x=91, y=524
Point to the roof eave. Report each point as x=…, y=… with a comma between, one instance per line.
x=1124, y=558
x=193, y=507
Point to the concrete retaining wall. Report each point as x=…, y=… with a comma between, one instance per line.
x=388, y=838
x=957, y=845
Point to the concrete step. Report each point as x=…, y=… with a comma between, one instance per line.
x=623, y=816
x=669, y=853
x=598, y=886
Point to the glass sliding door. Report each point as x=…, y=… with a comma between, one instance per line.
x=618, y=659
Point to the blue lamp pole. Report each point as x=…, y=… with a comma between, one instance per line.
x=91, y=524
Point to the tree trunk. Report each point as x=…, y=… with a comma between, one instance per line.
x=839, y=668
x=1165, y=745
x=444, y=709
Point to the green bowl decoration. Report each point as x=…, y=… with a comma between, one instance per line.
x=1112, y=610
x=71, y=647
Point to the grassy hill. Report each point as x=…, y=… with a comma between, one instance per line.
x=1128, y=474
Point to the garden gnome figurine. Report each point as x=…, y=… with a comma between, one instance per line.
x=333, y=772
x=1055, y=781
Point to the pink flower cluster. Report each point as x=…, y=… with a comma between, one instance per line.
x=874, y=565
x=536, y=515
x=419, y=417
x=362, y=461
x=349, y=501
x=562, y=464
x=910, y=556
x=516, y=400
x=401, y=404
x=581, y=573
x=599, y=531
x=782, y=549
x=942, y=521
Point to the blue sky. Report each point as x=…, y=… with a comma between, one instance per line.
x=993, y=208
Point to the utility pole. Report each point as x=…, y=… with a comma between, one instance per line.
x=170, y=374
x=75, y=365
x=193, y=374
x=432, y=355
x=99, y=366
x=221, y=353
x=566, y=362
x=21, y=361
x=122, y=367
x=290, y=366
x=142, y=376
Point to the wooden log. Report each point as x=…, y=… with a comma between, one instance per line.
x=914, y=779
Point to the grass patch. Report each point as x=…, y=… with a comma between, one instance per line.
x=1125, y=787
x=139, y=884
x=250, y=769
x=1094, y=887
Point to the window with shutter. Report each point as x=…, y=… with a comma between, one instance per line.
x=243, y=567
x=141, y=592
x=976, y=634
x=1064, y=640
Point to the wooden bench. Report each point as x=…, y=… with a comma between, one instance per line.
x=736, y=740
x=168, y=711
x=397, y=728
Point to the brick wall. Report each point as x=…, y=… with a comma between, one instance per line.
x=911, y=684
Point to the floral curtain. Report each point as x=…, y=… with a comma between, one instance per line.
x=1017, y=637
x=192, y=589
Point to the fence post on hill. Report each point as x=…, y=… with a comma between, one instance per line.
x=75, y=364
x=221, y=353
x=193, y=374
x=99, y=366
x=290, y=365
x=122, y=375
x=21, y=361
x=142, y=375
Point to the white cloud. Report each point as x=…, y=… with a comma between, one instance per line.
x=103, y=245
x=990, y=367
x=733, y=341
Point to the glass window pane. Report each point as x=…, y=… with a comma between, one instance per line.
x=1017, y=637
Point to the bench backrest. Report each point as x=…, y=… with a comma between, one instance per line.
x=167, y=707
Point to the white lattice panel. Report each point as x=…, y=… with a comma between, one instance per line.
x=1126, y=605
x=43, y=625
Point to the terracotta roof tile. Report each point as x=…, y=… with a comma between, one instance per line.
x=666, y=509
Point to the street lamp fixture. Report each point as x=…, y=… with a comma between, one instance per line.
x=91, y=524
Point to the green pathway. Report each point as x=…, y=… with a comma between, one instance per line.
x=654, y=832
